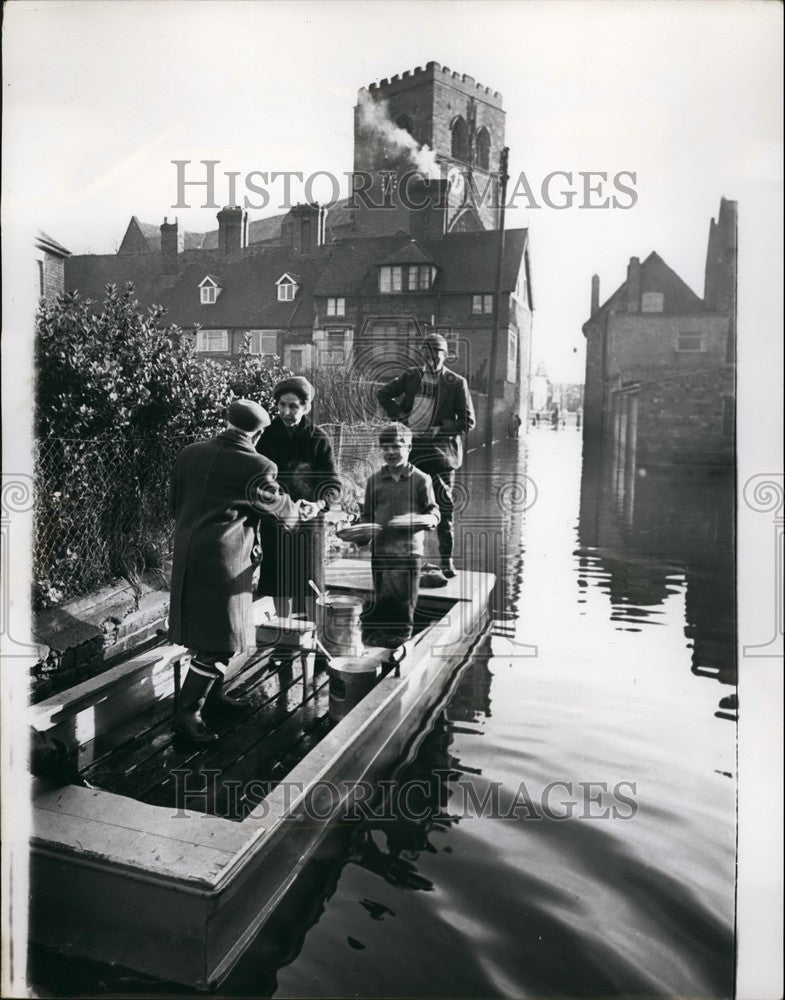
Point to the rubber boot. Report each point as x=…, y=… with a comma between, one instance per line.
x=218, y=705
x=187, y=717
x=448, y=567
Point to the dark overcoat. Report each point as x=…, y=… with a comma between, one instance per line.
x=453, y=416
x=216, y=502
x=306, y=470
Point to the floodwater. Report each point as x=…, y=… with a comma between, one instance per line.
x=571, y=827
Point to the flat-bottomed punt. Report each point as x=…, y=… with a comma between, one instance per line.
x=174, y=861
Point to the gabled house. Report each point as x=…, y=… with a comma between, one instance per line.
x=660, y=361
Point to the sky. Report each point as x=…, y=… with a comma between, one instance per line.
x=104, y=96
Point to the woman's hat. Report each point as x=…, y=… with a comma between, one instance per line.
x=297, y=384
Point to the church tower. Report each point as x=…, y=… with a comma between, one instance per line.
x=443, y=124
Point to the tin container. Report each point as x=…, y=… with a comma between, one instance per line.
x=338, y=624
x=351, y=679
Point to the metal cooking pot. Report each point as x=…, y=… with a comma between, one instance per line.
x=338, y=624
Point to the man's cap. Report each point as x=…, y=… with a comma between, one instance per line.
x=246, y=415
x=436, y=340
x=297, y=384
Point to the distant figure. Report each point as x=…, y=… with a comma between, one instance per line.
x=515, y=425
x=537, y=419
x=555, y=418
x=578, y=414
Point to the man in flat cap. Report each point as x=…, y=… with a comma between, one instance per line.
x=435, y=404
x=306, y=471
x=220, y=489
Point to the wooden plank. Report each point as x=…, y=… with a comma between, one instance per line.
x=98, y=841
x=118, y=811
x=220, y=795
x=155, y=785
x=151, y=752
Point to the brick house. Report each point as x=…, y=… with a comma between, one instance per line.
x=660, y=361
x=50, y=258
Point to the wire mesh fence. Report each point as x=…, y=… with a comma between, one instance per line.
x=102, y=506
x=101, y=512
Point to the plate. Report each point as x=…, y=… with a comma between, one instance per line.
x=411, y=522
x=361, y=534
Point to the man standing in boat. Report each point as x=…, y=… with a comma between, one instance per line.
x=220, y=489
x=435, y=404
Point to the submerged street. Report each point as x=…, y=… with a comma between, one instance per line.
x=630, y=608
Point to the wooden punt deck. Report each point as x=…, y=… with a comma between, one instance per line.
x=119, y=875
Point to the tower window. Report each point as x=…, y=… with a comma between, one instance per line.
x=460, y=139
x=483, y=149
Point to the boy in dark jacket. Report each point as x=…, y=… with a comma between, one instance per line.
x=393, y=496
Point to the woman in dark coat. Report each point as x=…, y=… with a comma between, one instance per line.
x=306, y=471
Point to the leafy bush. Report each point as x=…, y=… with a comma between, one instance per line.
x=118, y=394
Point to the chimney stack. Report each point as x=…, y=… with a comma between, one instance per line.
x=595, y=294
x=634, y=285
x=232, y=229
x=171, y=246
x=428, y=211
x=303, y=229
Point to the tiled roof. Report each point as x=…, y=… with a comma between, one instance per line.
x=656, y=276
x=151, y=233
x=250, y=294
x=89, y=274
x=466, y=262
x=409, y=253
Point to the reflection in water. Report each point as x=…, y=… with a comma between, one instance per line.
x=646, y=534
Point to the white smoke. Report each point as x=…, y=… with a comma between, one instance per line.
x=374, y=115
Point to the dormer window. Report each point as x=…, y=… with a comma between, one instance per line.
x=406, y=278
x=336, y=307
x=287, y=288
x=209, y=290
x=390, y=279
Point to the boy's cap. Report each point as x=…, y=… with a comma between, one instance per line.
x=246, y=415
x=297, y=384
x=436, y=340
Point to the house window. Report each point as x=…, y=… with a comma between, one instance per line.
x=390, y=279
x=459, y=145
x=691, y=343
x=482, y=304
x=483, y=149
x=286, y=291
x=420, y=277
x=40, y=264
x=212, y=340
x=296, y=358
x=336, y=307
x=512, y=355
x=652, y=302
x=264, y=342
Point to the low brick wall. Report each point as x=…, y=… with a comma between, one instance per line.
x=81, y=638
